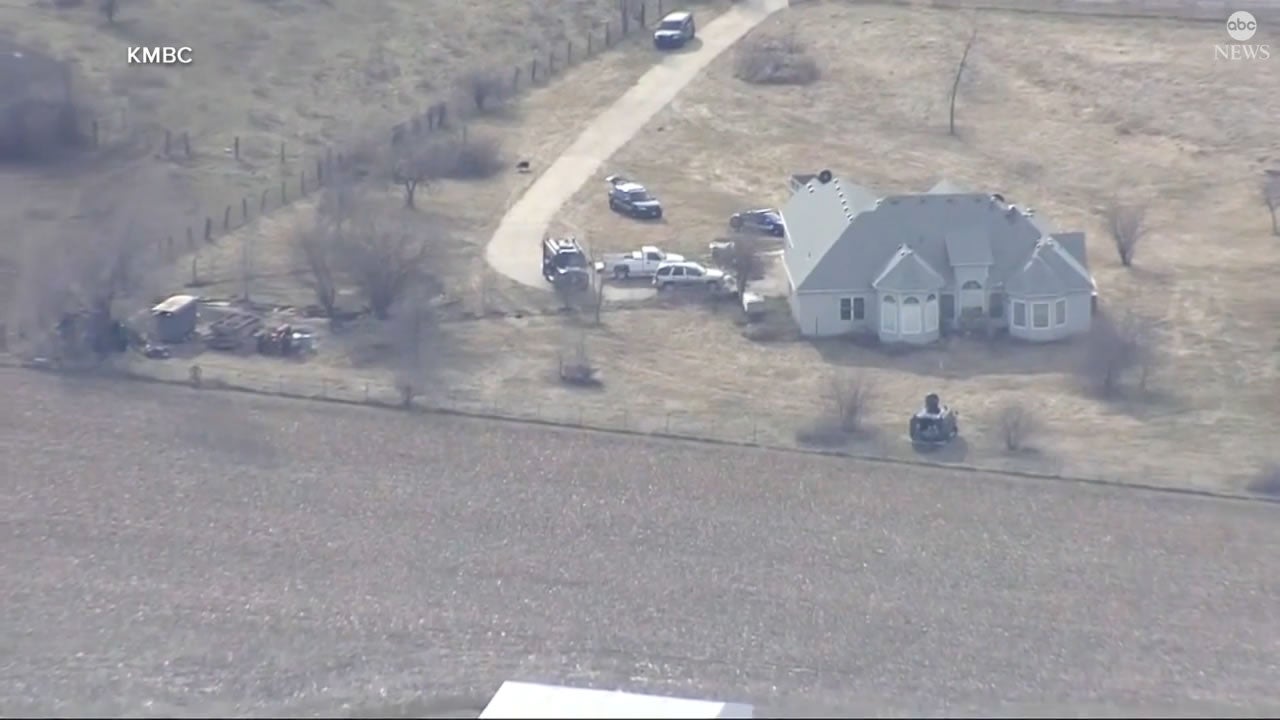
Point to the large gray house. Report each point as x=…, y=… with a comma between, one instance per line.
x=909, y=266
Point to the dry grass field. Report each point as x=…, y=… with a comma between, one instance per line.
x=1061, y=113
x=537, y=128
x=307, y=74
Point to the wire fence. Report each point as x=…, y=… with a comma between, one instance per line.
x=302, y=174
x=977, y=450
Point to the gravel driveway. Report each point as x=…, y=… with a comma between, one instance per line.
x=514, y=250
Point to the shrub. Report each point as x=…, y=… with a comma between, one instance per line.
x=477, y=158
x=775, y=59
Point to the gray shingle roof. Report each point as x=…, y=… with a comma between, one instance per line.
x=968, y=246
x=840, y=237
x=1051, y=270
x=906, y=272
x=816, y=218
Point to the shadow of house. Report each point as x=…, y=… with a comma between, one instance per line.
x=38, y=114
x=956, y=358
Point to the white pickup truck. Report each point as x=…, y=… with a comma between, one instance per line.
x=638, y=263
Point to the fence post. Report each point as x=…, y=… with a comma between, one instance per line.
x=668, y=426
x=568, y=52
x=607, y=39
x=622, y=11
x=226, y=219
x=551, y=62
x=533, y=71
x=186, y=142
x=588, y=43
x=643, y=6
x=236, y=145
x=191, y=240
x=208, y=229
x=95, y=132
x=244, y=210
x=302, y=183
x=281, y=153
x=515, y=81
x=319, y=172
x=443, y=118
x=168, y=142
x=262, y=205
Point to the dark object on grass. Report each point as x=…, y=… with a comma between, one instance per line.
x=935, y=423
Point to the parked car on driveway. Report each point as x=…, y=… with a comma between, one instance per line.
x=675, y=31
x=687, y=274
x=638, y=263
x=766, y=221
x=631, y=198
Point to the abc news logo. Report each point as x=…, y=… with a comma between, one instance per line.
x=1242, y=26
x=160, y=56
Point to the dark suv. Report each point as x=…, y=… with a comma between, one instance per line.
x=675, y=31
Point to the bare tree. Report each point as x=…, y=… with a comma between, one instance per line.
x=319, y=246
x=1017, y=425
x=108, y=255
x=384, y=258
x=316, y=246
x=745, y=260
x=1117, y=348
x=850, y=397
x=1271, y=198
x=576, y=367
x=411, y=329
x=443, y=157
x=109, y=8
x=1127, y=224
x=420, y=164
x=955, y=84
x=486, y=89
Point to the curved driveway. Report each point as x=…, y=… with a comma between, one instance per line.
x=513, y=250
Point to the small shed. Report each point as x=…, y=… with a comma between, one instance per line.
x=532, y=700
x=175, y=318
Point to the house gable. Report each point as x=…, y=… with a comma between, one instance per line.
x=840, y=237
x=816, y=218
x=908, y=272
x=1049, y=271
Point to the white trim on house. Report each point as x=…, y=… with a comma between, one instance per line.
x=1013, y=320
x=889, y=314
x=1035, y=316
x=912, y=316
x=1059, y=312
x=931, y=313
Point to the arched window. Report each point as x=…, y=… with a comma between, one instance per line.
x=912, y=316
x=971, y=295
x=931, y=314
x=889, y=314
